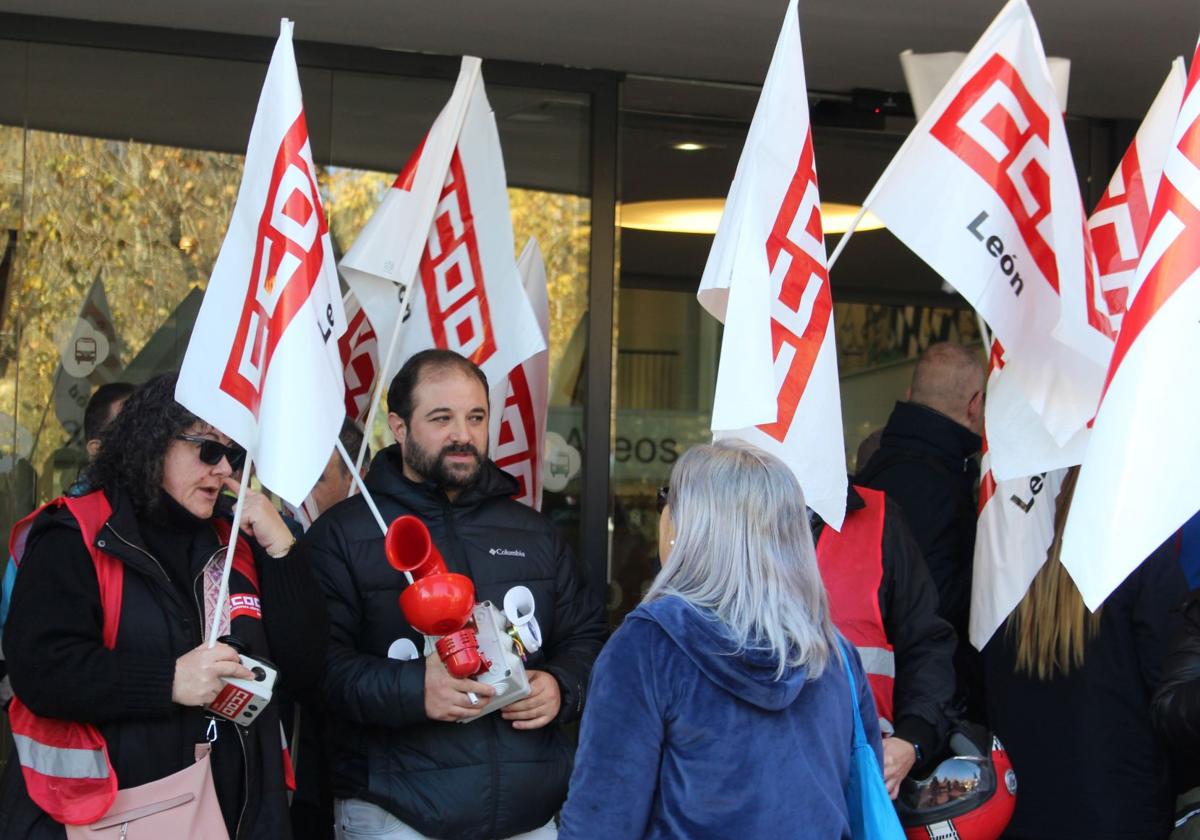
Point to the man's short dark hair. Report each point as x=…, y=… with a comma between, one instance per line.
x=99, y=408
x=400, y=392
x=351, y=437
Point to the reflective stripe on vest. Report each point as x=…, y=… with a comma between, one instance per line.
x=61, y=762
x=851, y=564
x=878, y=661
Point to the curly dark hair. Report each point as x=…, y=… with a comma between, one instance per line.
x=134, y=444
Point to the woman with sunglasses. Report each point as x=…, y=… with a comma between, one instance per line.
x=721, y=707
x=159, y=511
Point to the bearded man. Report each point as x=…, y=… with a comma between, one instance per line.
x=403, y=763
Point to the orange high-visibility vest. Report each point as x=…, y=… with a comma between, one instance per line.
x=851, y=564
x=67, y=769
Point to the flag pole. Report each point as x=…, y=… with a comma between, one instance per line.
x=366, y=494
x=383, y=369
x=223, y=593
x=845, y=237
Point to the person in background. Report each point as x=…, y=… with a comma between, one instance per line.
x=926, y=463
x=102, y=407
x=336, y=481
x=721, y=706
x=1176, y=707
x=158, y=477
x=312, y=804
x=883, y=600
x=1069, y=696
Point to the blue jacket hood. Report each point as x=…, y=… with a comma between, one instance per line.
x=748, y=675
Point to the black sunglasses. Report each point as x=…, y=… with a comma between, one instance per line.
x=664, y=493
x=212, y=451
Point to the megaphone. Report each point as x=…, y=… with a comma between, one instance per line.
x=438, y=602
x=477, y=640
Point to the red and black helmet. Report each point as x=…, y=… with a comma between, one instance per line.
x=970, y=795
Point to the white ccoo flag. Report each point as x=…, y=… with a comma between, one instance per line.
x=468, y=296
x=359, y=350
x=777, y=385
x=985, y=192
x=1016, y=527
x=262, y=364
x=1137, y=484
x=521, y=401
x=1121, y=220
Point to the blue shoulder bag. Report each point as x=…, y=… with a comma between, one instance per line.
x=872, y=815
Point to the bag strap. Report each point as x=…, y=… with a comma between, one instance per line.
x=860, y=733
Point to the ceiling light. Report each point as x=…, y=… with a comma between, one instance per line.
x=702, y=215
x=689, y=146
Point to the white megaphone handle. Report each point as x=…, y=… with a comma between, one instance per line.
x=518, y=609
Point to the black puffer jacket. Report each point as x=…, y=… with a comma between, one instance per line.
x=60, y=668
x=922, y=640
x=1176, y=709
x=481, y=779
x=925, y=463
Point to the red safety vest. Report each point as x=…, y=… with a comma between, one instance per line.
x=851, y=563
x=66, y=765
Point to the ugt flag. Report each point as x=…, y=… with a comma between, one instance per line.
x=521, y=401
x=468, y=296
x=1138, y=482
x=1120, y=223
x=777, y=384
x=262, y=364
x=985, y=192
x=1016, y=527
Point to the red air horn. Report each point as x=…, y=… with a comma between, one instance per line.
x=437, y=602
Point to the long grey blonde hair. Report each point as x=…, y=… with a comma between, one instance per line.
x=744, y=552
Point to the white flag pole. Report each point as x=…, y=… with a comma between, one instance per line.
x=841, y=243
x=383, y=368
x=223, y=594
x=362, y=488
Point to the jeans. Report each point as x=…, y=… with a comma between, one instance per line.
x=355, y=819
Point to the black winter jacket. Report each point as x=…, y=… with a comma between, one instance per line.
x=1176, y=709
x=60, y=668
x=925, y=463
x=923, y=641
x=1088, y=761
x=481, y=779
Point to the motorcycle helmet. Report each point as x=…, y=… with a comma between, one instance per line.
x=969, y=795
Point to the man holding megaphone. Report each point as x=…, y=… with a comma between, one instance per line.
x=402, y=765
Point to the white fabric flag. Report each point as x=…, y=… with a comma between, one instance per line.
x=262, y=363
x=1137, y=484
x=1016, y=527
x=1120, y=223
x=468, y=296
x=777, y=384
x=521, y=401
x=359, y=351
x=985, y=192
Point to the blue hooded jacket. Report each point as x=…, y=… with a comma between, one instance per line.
x=684, y=737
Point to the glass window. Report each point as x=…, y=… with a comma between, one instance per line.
x=106, y=242
x=683, y=140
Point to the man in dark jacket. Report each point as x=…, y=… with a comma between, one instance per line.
x=926, y=463
x=917, y=681
x=409, y=752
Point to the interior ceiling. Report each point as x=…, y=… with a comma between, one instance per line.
x=1119, y=50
